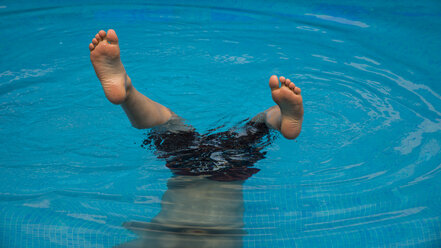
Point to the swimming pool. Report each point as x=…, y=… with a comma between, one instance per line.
x=365, y=171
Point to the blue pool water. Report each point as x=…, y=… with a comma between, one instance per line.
x=365, y=171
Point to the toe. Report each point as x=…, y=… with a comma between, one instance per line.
x=95, y=41
x=98, y=37
x=102, y=33
x=297, y=90
x=273, y=82
x=91, y=46
x=292, y=86
x=111, y=36
x=287, y=82
x=282, y=80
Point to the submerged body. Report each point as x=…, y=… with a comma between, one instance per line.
x=203, y=205
x=195, y=212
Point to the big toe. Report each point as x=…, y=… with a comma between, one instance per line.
x=274, y=82
x=111, y=36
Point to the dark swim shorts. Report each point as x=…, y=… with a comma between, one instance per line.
x=221, y=156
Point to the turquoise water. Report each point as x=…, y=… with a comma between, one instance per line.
x=365, y=171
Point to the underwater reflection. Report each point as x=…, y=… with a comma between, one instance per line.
x=203, y=205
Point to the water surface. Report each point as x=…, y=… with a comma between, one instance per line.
x=365, y=171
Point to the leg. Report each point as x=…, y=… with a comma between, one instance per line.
x=105, y=57
x=287, y=115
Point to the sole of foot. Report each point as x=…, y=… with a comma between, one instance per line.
x=287, y=96
x=105, y=57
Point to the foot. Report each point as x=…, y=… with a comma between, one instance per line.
x=290, y=102
x=104, y=54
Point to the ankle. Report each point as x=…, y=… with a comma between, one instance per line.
x=128, y=87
